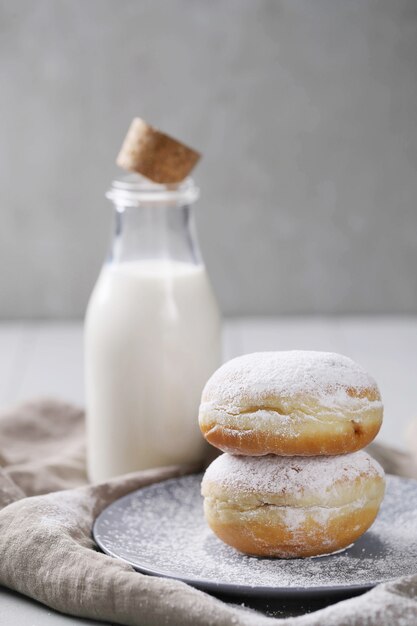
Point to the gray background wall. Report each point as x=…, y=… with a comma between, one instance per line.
x=306, y=111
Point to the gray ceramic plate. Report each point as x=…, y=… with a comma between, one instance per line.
x=160, y=530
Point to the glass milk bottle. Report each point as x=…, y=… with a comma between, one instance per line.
x=152, y=334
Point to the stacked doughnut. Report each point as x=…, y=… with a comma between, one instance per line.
x=294, y=481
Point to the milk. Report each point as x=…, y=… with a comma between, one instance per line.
x=152, y=339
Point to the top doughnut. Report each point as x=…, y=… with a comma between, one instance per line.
x=295, y=403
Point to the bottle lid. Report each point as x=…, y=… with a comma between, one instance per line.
x=155, y=155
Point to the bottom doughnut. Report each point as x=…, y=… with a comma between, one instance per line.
x=292, y=507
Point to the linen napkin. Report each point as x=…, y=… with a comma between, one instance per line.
x=47, y=551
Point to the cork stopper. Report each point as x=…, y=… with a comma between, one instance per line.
x=155, y=155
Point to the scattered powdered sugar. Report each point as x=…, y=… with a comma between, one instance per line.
x=161, y=529
x=278, y=475
x=324, y=376
x=64, y=510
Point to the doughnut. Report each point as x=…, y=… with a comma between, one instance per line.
x=295, y=403
x=291, y=507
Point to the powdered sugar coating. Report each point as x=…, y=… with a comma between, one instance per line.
x=272, y=475
x=332, y=379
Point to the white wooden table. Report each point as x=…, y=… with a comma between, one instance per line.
x=46, y=359
x=40, y=359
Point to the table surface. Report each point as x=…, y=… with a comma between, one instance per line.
x=45, y=359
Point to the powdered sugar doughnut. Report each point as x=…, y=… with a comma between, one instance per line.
x=292, y=507
x=290, y=403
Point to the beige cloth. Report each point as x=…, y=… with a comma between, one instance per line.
x=47, y=551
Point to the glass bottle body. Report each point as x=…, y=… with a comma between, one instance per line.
x=152, y=338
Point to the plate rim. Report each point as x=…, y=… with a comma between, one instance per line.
x=231, y=588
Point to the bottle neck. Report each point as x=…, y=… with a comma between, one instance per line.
x=162, y=232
